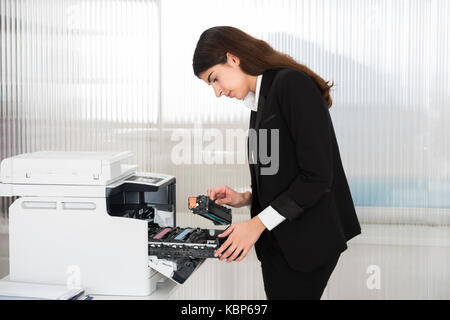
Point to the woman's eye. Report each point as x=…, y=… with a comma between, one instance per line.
x=215, y=80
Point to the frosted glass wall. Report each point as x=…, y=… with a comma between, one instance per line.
x=115, y=75
x=388, y=59
x=81, y=76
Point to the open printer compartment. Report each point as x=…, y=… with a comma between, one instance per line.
x=144, y=196
x=173, y=251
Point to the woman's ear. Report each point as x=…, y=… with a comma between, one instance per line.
x=232, y=59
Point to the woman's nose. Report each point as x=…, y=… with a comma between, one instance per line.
x=218, y=91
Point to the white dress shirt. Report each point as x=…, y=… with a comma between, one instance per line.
x=269, y=216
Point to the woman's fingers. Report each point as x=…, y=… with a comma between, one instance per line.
x=235, y=254
x=227, y=231
x=237, y=246
x=217, y=193
x=225, y=200
x=228, y=252
x=243, y=254
x=222, y=248
x=227, y=243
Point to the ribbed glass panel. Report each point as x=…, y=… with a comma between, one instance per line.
x=80, y=75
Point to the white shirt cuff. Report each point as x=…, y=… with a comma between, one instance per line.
x=270, y=218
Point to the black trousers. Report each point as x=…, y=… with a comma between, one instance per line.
x=281, y=282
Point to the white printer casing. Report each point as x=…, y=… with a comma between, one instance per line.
x=63, y=231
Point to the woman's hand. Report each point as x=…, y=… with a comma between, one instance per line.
x=226, y=195
x=241, y=237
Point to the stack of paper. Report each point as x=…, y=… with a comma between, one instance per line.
x=11, y=290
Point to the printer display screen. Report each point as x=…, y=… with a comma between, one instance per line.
x=149, y=180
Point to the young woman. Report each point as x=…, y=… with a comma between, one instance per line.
x=303, y=214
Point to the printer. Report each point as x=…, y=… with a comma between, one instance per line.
x=83, y=218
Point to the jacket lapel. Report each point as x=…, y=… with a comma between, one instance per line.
x=255, y=121
x=266, y=83
x=261, y=103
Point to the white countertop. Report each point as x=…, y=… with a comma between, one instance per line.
x=163, y=292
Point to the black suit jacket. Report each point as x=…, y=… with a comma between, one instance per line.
x=309, y=188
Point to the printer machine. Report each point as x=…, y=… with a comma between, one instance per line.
x=87, y=217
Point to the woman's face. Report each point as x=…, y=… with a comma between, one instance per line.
x=228, y=79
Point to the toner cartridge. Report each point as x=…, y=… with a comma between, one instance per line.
x=204, y=206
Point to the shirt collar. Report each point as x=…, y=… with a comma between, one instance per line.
x=251, y=100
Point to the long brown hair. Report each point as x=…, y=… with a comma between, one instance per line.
x=256, y=56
